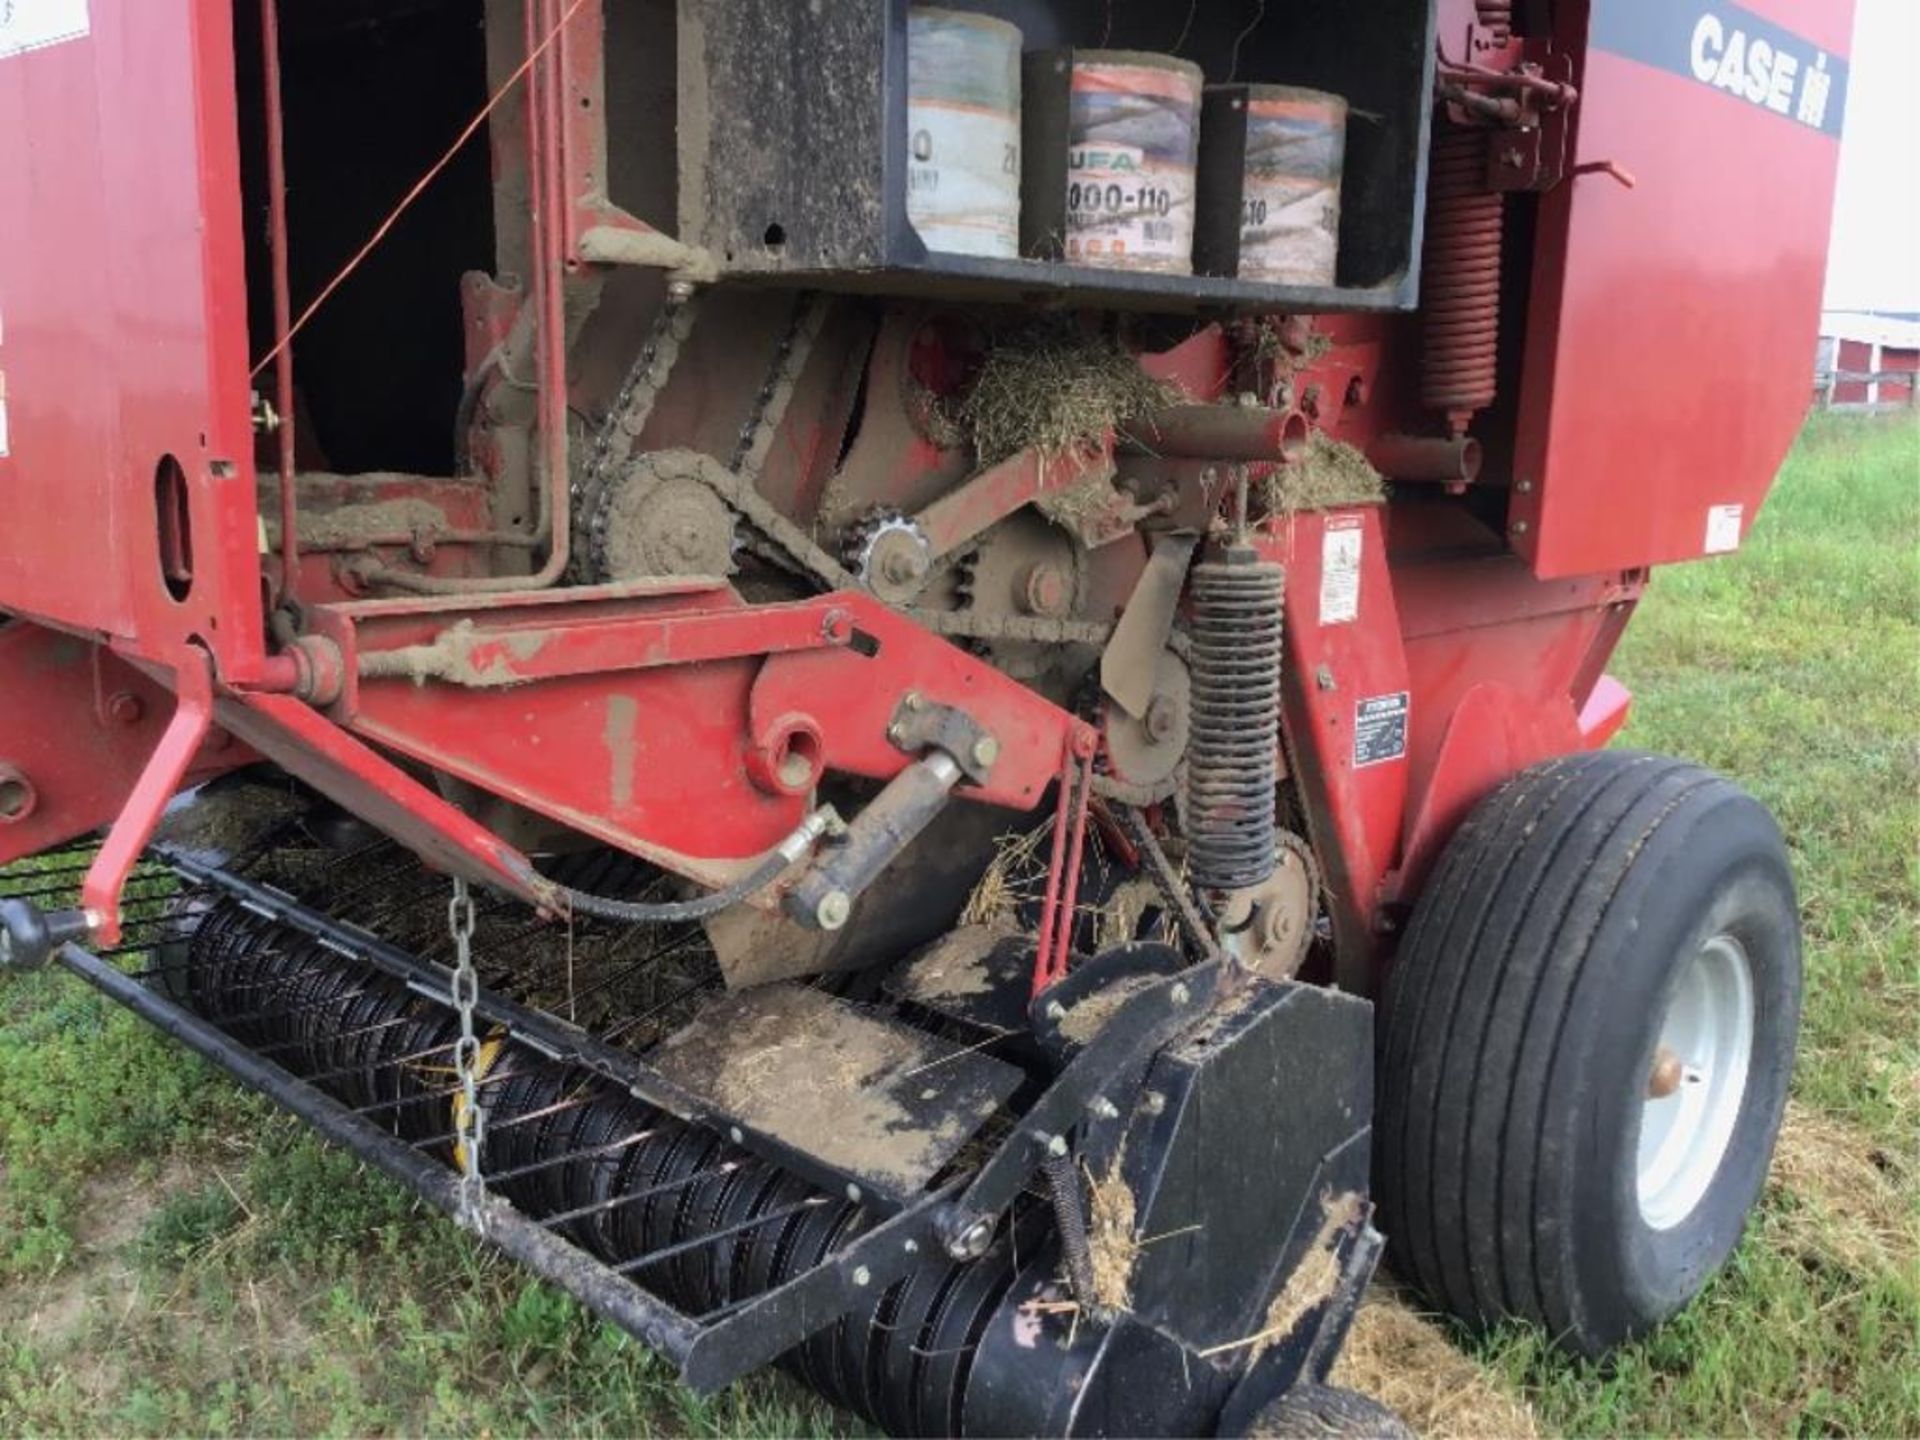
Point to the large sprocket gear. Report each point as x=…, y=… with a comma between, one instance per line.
x=661, y=514
x=1268, y=927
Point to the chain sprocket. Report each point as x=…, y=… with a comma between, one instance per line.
x=1269, y=927
x=890, y=555
x=662, y=515
x=766, y=532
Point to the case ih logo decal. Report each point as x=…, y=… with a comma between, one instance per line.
x=35, y=24
x=1733, y=50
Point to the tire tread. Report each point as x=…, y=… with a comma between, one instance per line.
x=1475, y=1046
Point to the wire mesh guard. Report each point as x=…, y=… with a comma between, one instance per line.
x=355, y=1004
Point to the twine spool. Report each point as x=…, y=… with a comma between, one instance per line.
x=963, y=128
x=1133, y=138
x=1290, y=202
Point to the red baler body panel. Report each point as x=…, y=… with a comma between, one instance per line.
x=123, y=324
x=1650, y=390
x=1666, y=356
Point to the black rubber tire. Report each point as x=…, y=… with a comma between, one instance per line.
x=1519, y=1024
x=1327, y=1412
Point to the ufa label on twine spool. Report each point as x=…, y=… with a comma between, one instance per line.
x=963, y=129
x=1290, y=197
x=1133, y=140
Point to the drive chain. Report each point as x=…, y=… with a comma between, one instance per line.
x=1172, y=889
x=768, y=533
x=632, y=407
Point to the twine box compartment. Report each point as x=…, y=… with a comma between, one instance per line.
x=795, y=145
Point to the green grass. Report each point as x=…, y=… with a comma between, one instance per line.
x=176, y=1258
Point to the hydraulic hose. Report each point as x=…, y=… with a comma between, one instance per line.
x=824, y=821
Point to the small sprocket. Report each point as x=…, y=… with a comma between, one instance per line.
x=891, y=556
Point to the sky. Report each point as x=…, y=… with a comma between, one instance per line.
x=1875, y=259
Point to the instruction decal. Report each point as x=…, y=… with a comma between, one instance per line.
x=1380, y=729
x=1723, y=528
x=1340, y=547
x=28, y=25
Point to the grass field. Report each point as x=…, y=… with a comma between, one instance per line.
x=175, y=1258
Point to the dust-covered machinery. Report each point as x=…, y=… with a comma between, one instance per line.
x=813, y=662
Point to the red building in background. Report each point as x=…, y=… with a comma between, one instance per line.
x=1864, y=358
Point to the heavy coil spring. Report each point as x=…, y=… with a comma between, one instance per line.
x=674, y=1205
x=1239, y=608
x=1460, y=291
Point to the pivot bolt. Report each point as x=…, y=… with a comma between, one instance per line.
x=971, y=1243
x=1162, y=719
x=862, y=1276
x=1045, y=591
x=986, y=750
x=904, y=566
x=834, y=909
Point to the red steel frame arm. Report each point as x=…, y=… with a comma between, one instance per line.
x=158, y=783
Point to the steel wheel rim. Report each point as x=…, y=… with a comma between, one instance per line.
x=1708, y=1027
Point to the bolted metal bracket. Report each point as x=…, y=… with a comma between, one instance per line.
x=920, y=724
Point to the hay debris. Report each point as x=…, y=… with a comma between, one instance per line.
x=1119, y=921
x=1270, y=347
x=1056, y=389
x=939, y=417
x=1009, y=880
x=224, y=822
x=1312, y=1282
x=1408, y=1363
x=1835, y=1198
x=1085, y=1021
x=1332, y=474
x=1112, y=1237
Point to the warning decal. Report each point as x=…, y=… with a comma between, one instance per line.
x=27, y=25
x=1380, y=729
x=1723, y=528
x=1340, y=546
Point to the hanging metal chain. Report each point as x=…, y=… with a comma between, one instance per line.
x=469, y=1120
